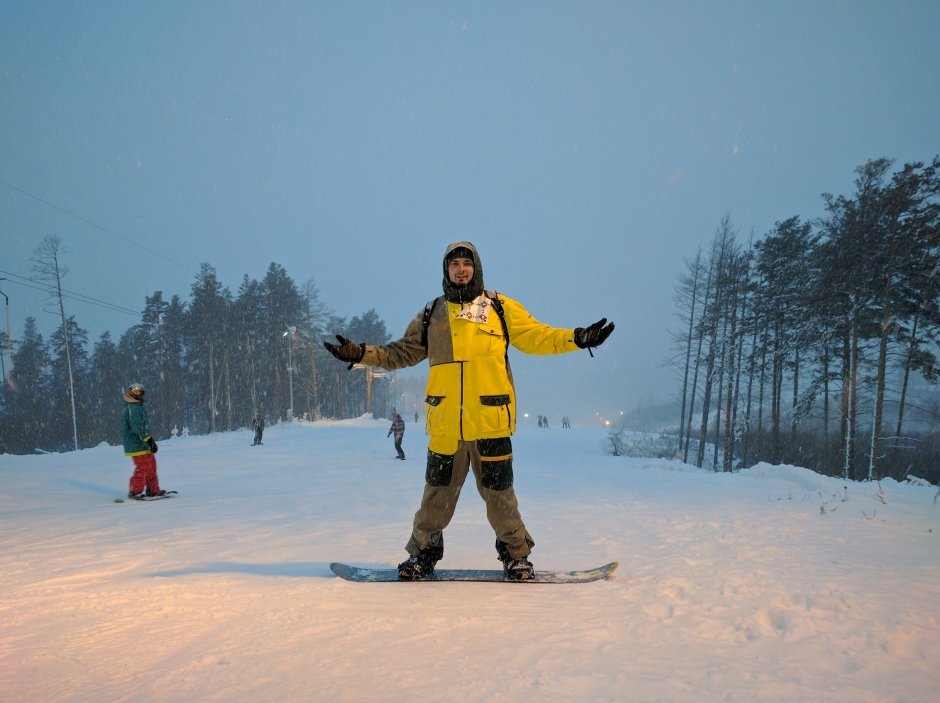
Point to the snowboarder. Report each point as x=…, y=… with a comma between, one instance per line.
x=470, y=403
x=398, y=427
x=257, y=424
x=139, y=445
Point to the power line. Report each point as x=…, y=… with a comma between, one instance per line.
x=95, y=225
x=71, y=295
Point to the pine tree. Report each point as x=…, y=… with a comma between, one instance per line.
x=66, y=387
x=173, y=374
x=28, y=412
x=208, y=324
x=283, y=310
x=105, y=389
x=782, y=262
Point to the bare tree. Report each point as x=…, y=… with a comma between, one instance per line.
x=47, y=266
x=686, y=297
x=713, y=321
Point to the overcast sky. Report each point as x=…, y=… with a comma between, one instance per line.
x=586, y=148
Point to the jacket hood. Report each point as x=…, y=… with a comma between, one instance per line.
x=463, y=294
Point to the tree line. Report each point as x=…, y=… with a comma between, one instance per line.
x=206, y=363
x=816, y=345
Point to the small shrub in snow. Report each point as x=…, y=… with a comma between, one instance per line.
x=615, y=443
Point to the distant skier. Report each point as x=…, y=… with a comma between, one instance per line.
x=257, y=424
x=470, y=403
x=398, y=427
x=139, y=445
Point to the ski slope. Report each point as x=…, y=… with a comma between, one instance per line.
x=772, y=584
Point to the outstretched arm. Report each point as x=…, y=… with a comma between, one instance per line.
x=407, y=351
x=533, y=337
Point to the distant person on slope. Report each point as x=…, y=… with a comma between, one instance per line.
x=257, y=424
x=139, y=445
x=470, y=405
x=398, y=427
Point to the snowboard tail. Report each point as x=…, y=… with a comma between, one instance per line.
x=366, y=575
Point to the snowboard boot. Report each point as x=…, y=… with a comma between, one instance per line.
x=416, y=568
x=519, y=569
x=157, y=493
x=515, y=569
x=136, y=496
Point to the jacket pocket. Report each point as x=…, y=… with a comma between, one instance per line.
x=490, y=340
x=495, y=413
x=434, y=409
x=495, y=400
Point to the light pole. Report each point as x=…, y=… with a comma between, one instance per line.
x=291, y=329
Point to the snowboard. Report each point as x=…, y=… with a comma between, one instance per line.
x=146, y=499
x=367, y=575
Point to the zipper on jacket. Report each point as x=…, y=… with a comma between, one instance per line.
x=461, y=399
x=509, y=417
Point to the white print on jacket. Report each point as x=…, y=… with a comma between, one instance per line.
x=477, y=310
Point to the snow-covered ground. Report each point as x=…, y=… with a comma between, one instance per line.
x=773, y=584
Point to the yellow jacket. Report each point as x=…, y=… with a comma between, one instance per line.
x=470, y=391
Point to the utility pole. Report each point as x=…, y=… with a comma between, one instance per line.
x=290, y=370
x=3, y=368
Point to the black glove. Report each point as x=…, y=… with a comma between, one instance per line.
x=593, y=335
x=346, y=351
x=152, y=445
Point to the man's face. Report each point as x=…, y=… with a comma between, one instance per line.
x=460, y=270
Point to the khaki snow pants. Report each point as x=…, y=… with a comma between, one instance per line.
x=491, y=461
